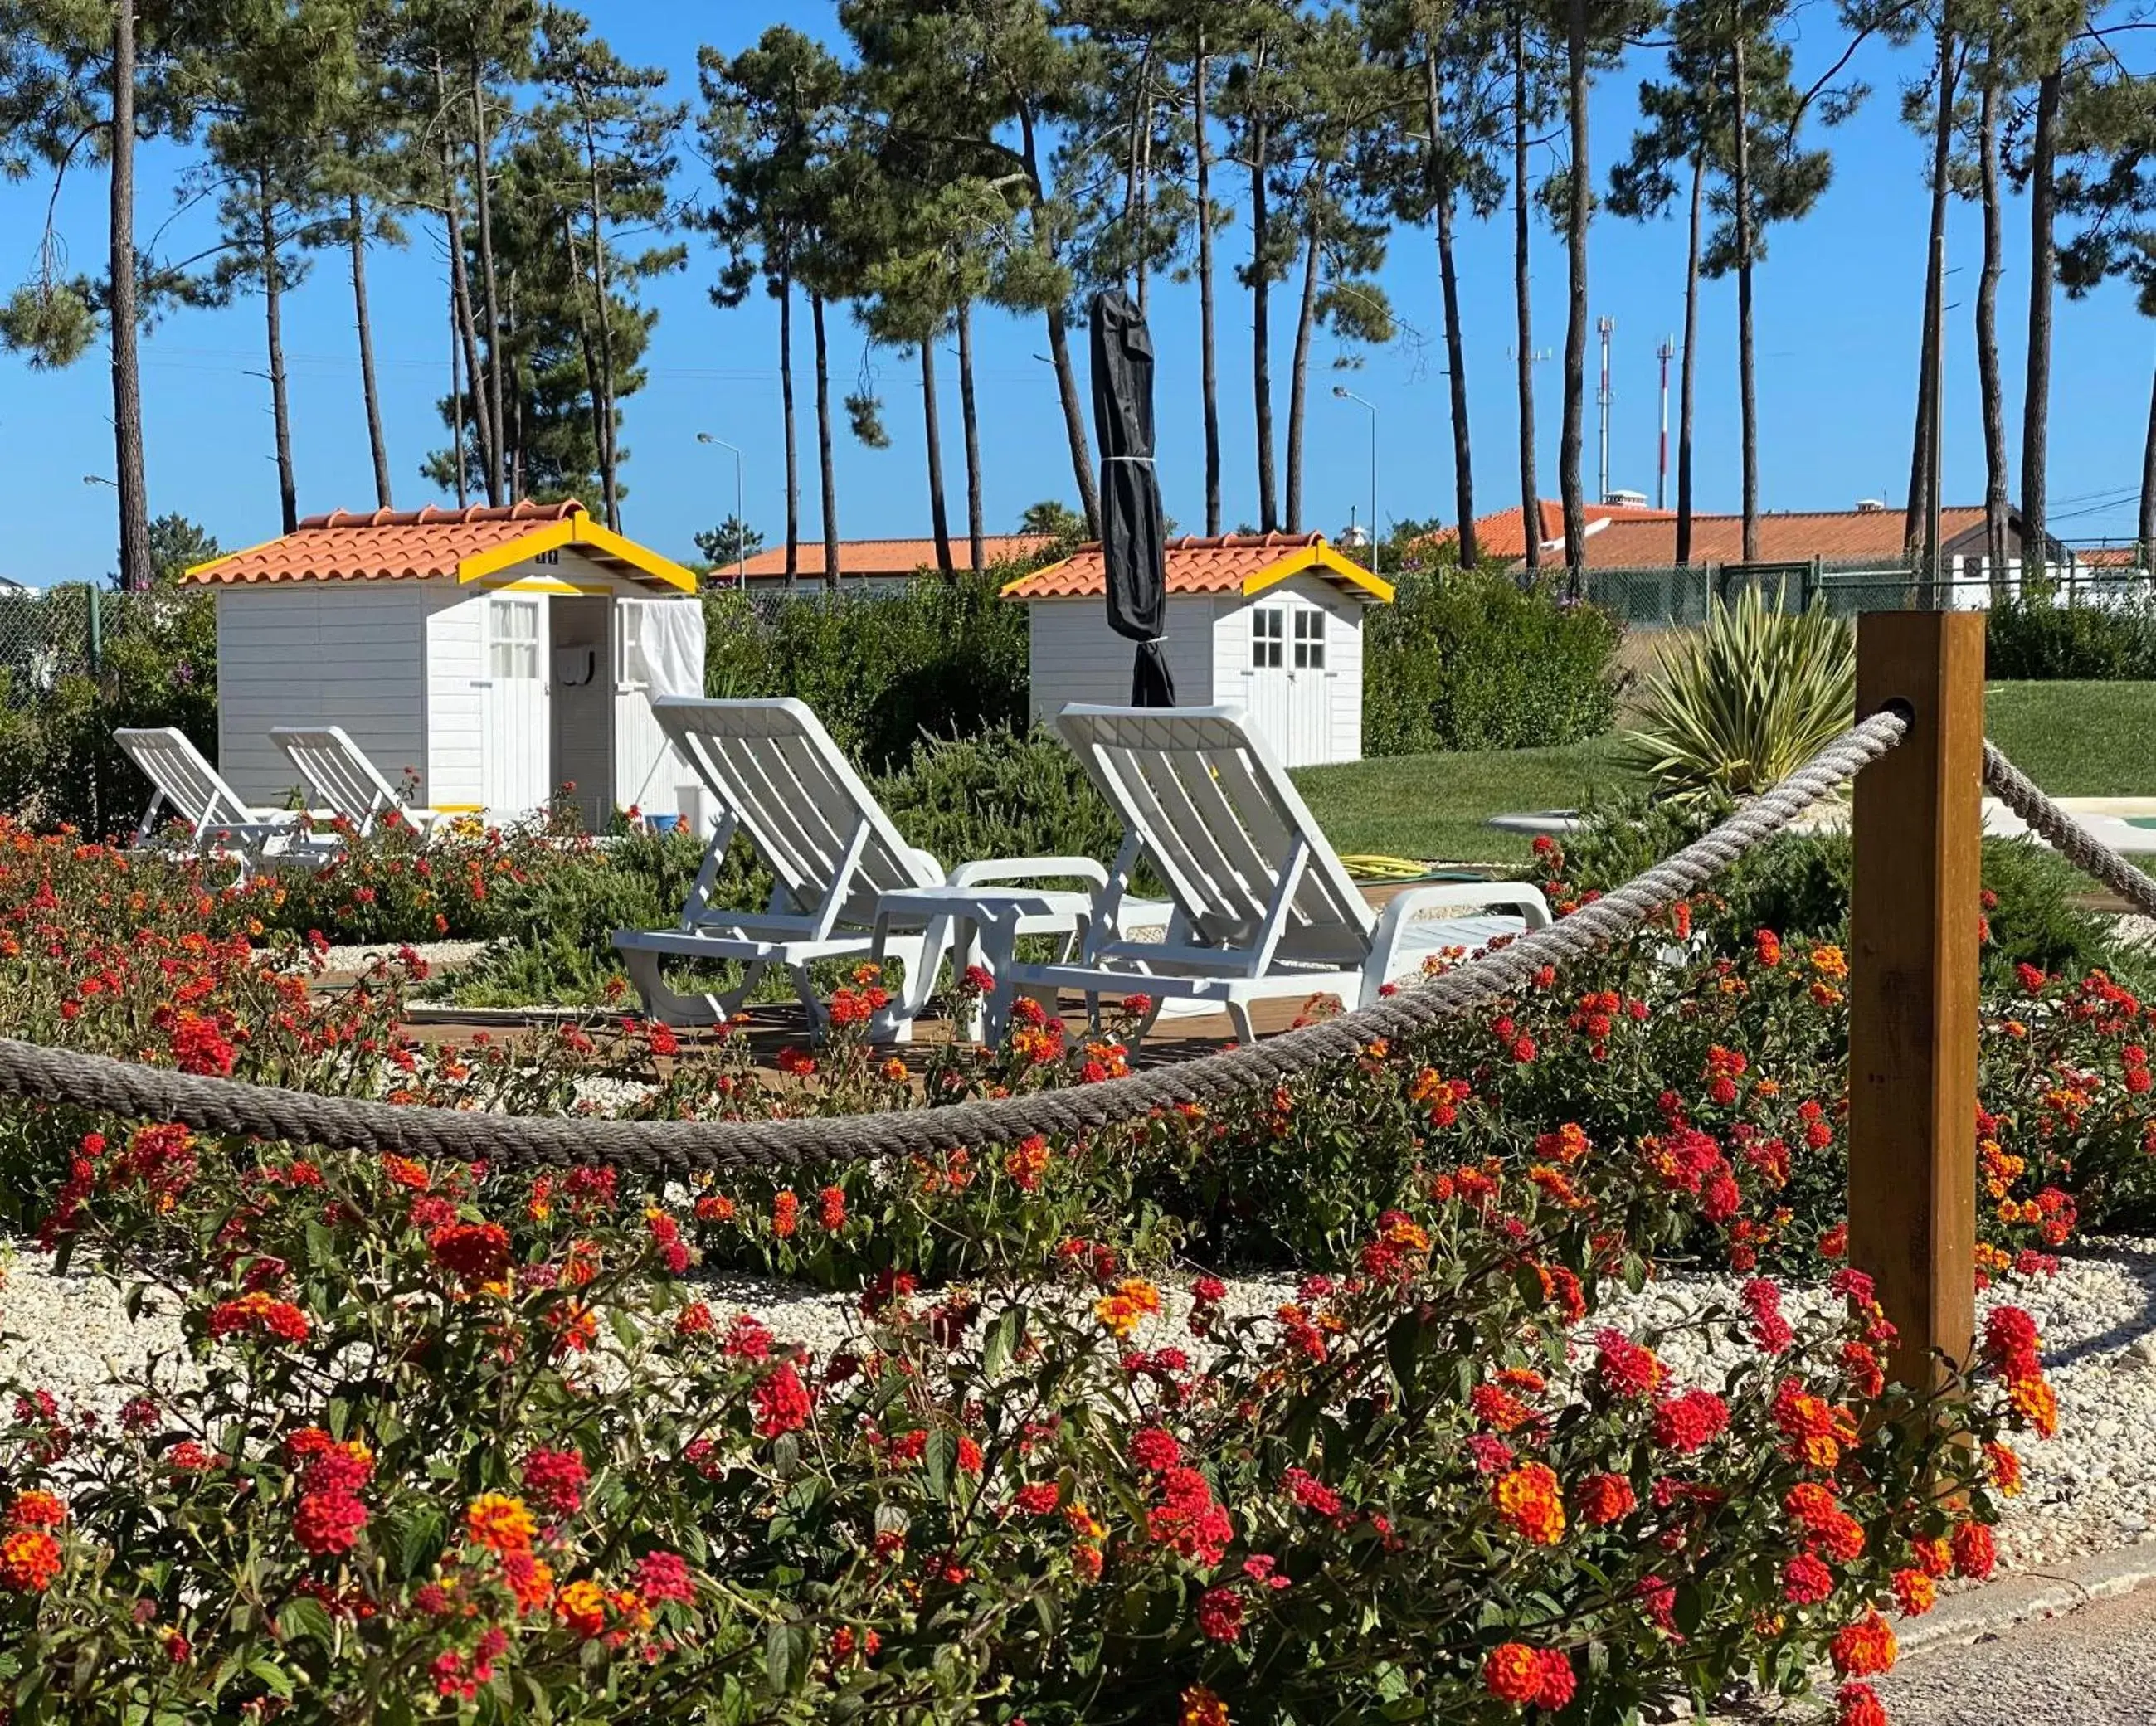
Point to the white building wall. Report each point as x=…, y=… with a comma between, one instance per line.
x=1343, y=655
x=318, y=654
x=453, y=657
x=1076, y=657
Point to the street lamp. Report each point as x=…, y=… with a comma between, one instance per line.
x=99, y=480
x=741, y=527
x=1345, y=394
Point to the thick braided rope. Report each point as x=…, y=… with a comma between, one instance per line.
x=2064, y=834
x=663, y=1149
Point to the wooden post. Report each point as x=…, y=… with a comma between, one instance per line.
x=1913, y=1020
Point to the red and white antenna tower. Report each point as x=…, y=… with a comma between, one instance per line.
x=1605, y=326
x=1665, y=353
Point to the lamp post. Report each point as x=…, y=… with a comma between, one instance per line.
x=741, y=527
x=1345, y=394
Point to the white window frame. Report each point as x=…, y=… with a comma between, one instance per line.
x=627, y=637
x=1268, y=638
x=512, y=640
x=1309, y=638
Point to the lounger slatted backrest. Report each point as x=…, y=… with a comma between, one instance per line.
x=184, y=779
x=338, y=773
x=1219, y=821
x=772, y=767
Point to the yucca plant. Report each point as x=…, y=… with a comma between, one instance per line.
x=1743, y=701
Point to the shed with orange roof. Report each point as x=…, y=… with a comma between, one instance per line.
x=493, y=654
x=1271, y=623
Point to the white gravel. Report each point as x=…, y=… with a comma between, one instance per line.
x=440, y=955
x=2092, y=1488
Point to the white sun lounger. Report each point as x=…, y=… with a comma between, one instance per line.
x=338, y=773
x=776, y=777
x=187, y=792
x=1263, y=906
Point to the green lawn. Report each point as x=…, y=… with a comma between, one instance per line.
x=2075, y=739
x=1433, y=807
x=2078, y=739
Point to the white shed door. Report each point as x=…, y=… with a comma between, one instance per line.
x=1287, y=682
x=513, y=716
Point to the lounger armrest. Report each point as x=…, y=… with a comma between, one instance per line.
x=1461, y=896
x=1032, y=869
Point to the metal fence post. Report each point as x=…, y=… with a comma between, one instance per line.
x=1913, y=958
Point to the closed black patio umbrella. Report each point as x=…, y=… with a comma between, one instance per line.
x=1130, y=535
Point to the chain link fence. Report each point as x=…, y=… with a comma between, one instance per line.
x=48, y=634
x=1676, y=596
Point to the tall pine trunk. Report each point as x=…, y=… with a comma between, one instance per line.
x=2146, y=549
x=457, y=400
x=1689, y=373
x=602, y=295
x=2043, y=266
x=1058, y=352
x=281, y=405
x=377, y=443
x=1916, y=517
x=491, y=284
x=793, y=450
x=133, y=488
x=1456, y=345
x=1748, y=396
x=976, y=521
x=1995, y=505
x=1261, y=330
x=1298, y=387
x=1531, y=509
x=1575, y=330
x=823, y=453
x=1208, y=382
x=460, y=299
x=939, y=520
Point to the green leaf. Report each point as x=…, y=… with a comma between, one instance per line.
x=787, y=1646
x=1003, y=1340
x=943, y=1456
x=303, y=1618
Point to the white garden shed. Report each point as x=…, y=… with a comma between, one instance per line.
x=496, y=652
x=1271, y=623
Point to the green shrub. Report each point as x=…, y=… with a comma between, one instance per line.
x=944, y=658
x=1473, y=661
x=157, y=667
x=1736, y=706
x=1000, y=794
x=1798, y=885
x=2039, y=640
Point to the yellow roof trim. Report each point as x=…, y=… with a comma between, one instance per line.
x=637, y=557
x=1016, y=582
x=193, y=569
x=520, y=550
x=1323, y=558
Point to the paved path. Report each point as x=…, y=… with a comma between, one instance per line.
x=2096, y=1666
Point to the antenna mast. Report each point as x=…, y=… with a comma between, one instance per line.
x=1665, y=353
x=1605, y=326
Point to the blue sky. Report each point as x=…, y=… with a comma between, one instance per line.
x=1838, y=301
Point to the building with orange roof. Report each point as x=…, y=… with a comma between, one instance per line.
x=1271, y=623
x=878, y=561
x=494, y=654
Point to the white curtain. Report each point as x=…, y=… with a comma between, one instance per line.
x=665, y=643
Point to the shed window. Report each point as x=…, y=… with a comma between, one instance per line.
x=628, y=643
x=1267, y=634
x=1310, y=641
x=513, y=637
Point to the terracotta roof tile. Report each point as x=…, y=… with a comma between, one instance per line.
x=1790, y=536
x=1499, y=534
x=886, y=557
x=1195, y=566
x=385, y=545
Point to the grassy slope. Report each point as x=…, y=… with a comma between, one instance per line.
x=2075, y=739
x=2078, y=739
x=1434, y=806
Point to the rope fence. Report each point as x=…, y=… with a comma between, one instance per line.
x=659, y=1149
x=2065, y=835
